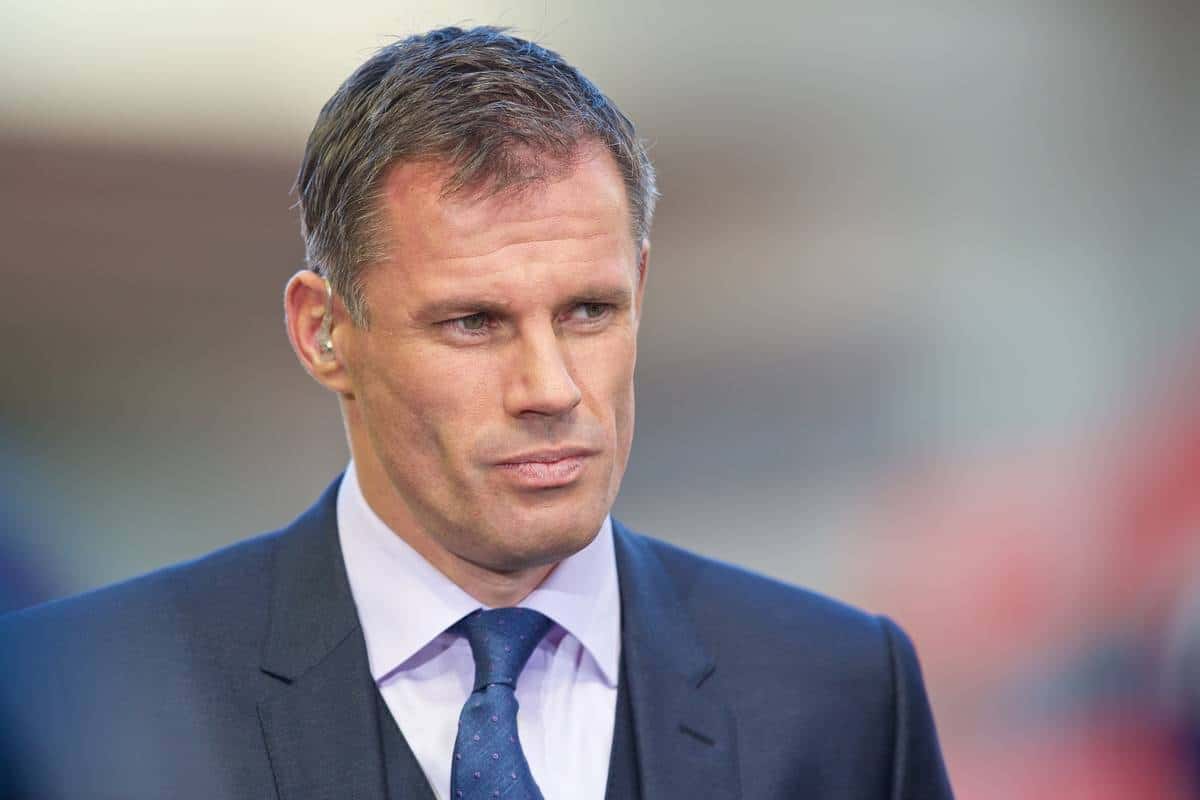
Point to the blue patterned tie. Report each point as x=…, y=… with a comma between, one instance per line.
x=488, y=761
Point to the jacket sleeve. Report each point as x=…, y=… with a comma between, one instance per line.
x=918, y=772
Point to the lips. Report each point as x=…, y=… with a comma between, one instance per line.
x=548, y=456
x=545, y=469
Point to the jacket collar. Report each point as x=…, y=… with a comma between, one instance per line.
x=685, y=734
x=312, y=610
x=321, y=720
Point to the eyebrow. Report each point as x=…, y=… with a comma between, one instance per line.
x=613, y=295
x=468, y=304
x=456, y=306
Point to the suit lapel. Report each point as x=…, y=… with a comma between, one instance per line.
x=320, y=721
x=685, y=736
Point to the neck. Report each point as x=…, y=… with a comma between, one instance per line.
x=493, y=588
x=490, y=587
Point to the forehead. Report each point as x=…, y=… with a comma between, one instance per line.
x=583, y=200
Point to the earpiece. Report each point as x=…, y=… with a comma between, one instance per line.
x=324, y=337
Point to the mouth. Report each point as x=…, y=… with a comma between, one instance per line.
x=546, y=469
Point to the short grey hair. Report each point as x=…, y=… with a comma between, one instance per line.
x=500, y=111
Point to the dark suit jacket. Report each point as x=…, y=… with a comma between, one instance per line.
x=244, y=675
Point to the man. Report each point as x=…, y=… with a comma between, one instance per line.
x=476, y=215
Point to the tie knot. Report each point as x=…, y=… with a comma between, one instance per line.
x=502, y=641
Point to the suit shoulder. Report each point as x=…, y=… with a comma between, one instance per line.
x=702, y=579
x=176, y=595
x=830, y=691
x=736, y=608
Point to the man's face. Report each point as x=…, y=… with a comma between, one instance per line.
x=493, y=389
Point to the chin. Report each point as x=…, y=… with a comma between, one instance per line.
x=536, y=539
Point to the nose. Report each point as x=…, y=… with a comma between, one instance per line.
x=541, y=382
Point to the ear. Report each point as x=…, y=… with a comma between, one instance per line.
x=305, y=304
x=643, y=264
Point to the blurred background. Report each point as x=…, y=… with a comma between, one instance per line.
x=921, y=328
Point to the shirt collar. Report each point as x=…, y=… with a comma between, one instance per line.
x=581, y=594
x=404, y=603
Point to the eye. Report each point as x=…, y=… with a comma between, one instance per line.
x=476, y=324
x=591, y=311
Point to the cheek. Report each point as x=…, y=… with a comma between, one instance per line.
x=623, y=423
x=623, y=420
x=423, y=407
x=608, y=372
x=626, y=405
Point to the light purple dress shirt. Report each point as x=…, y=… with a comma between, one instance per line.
x=568, y=691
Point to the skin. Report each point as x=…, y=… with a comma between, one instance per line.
x=499, y=327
